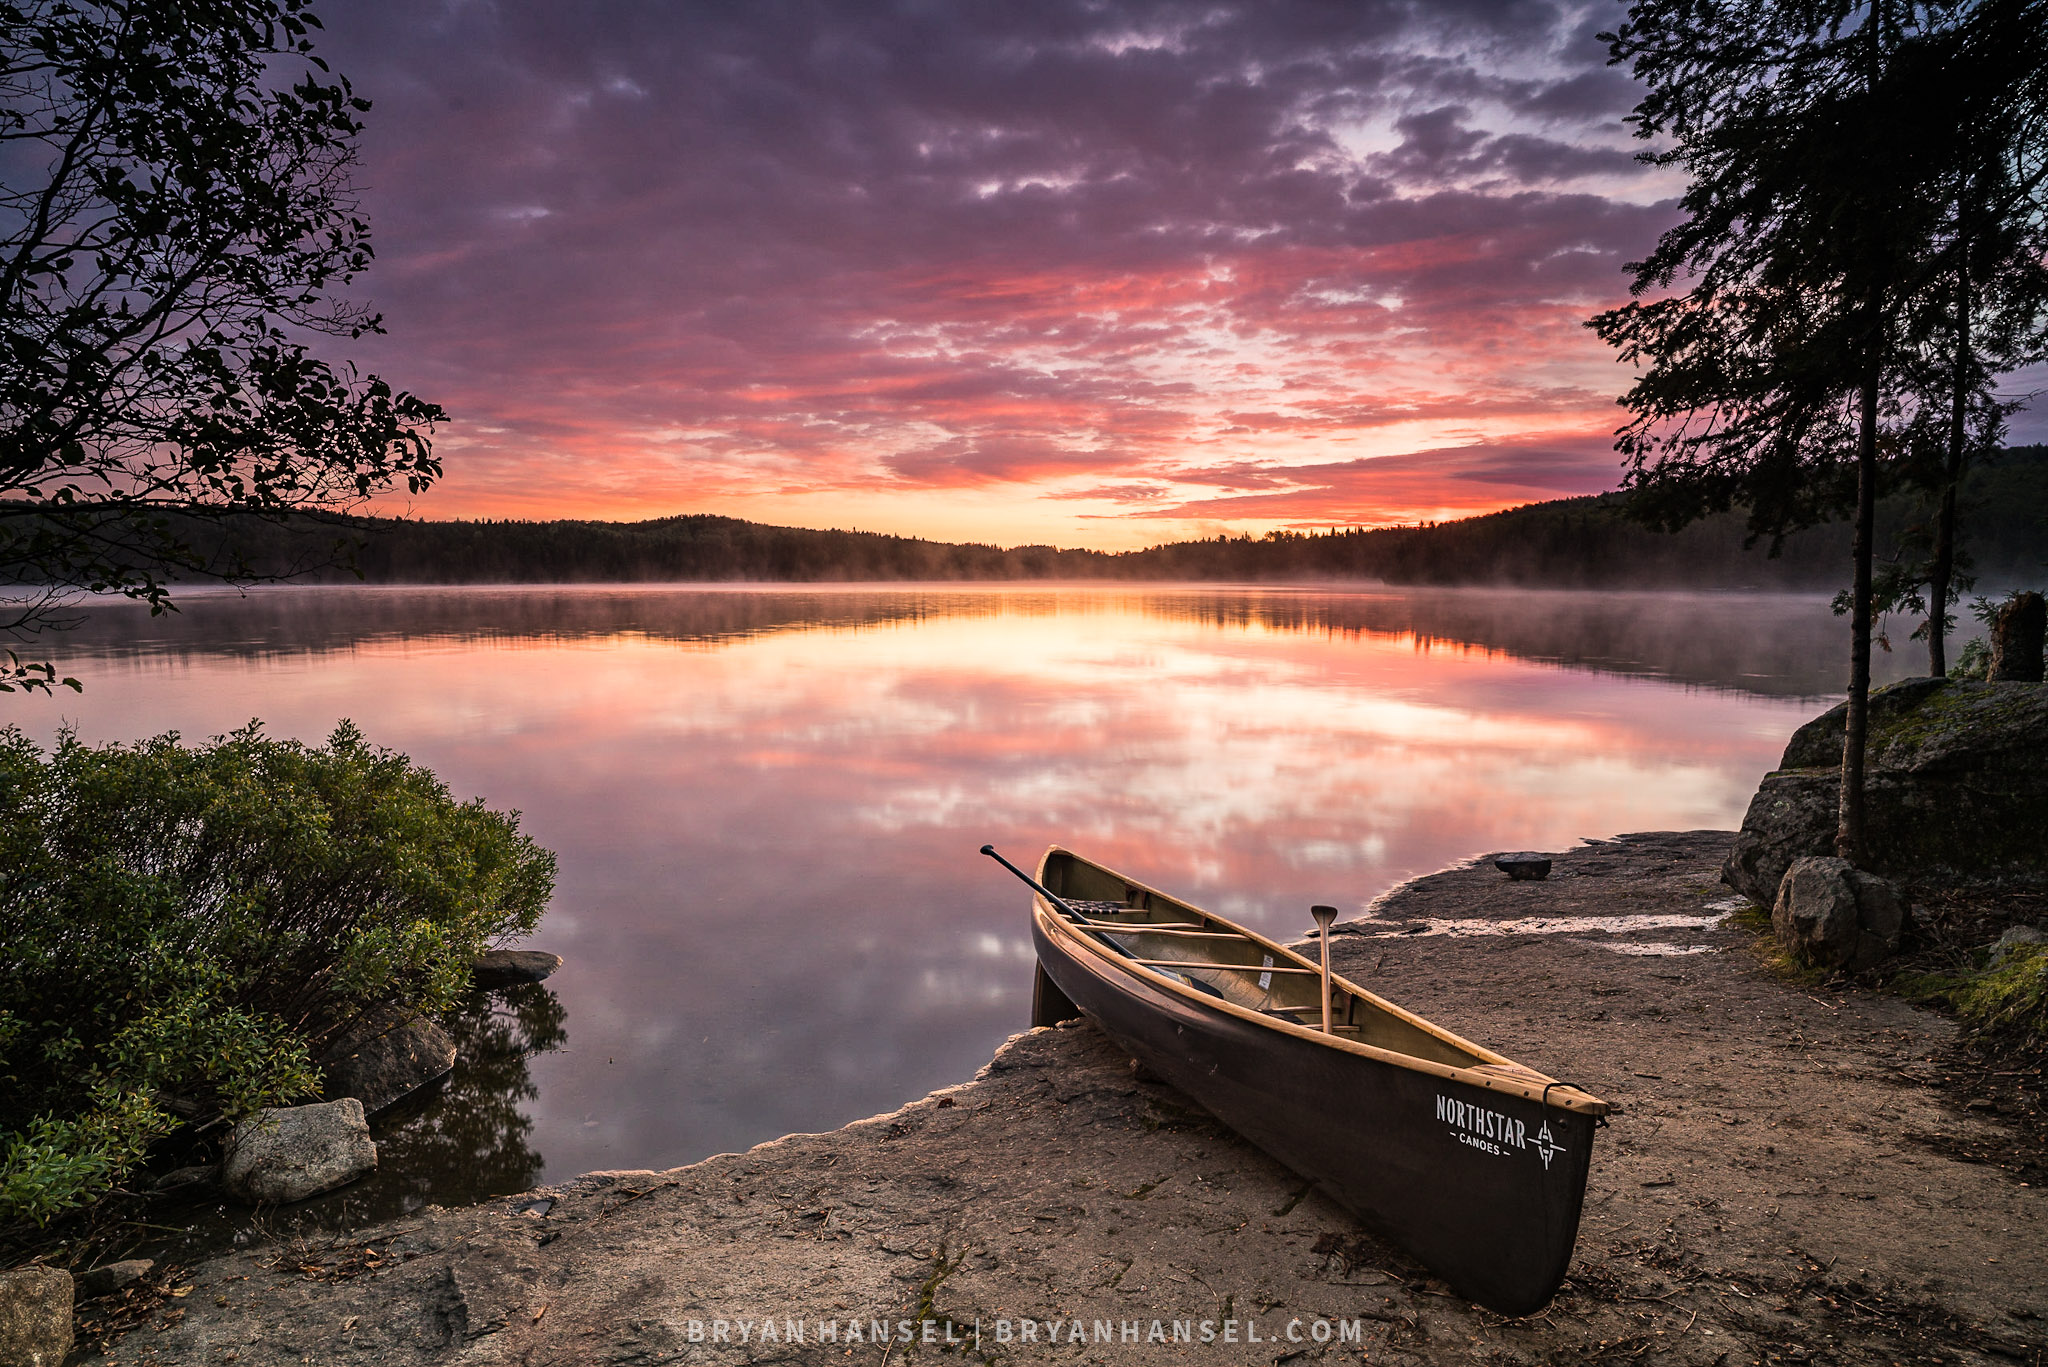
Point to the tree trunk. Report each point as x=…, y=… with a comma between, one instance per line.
x=1849, y=822
x=2016, y=636
x=1941, y=572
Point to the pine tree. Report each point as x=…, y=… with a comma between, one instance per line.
x=1780, y=373
x=1984, y=94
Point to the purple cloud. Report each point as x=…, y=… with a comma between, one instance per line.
x=657, y=258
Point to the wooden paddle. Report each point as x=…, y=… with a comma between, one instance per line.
x=1325, y=918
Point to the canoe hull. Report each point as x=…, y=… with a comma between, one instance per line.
x=1482, y=1188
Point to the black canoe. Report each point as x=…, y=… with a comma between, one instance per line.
x=1471, y=1163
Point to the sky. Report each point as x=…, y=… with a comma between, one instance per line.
x=1088, y=272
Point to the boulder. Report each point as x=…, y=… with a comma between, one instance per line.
x=35, y=1317
x=1815, y=912
x=1833, y=915
x=1523, y=866
x=386, y=1054
x=1791, y=817
x=1818, y=744
x=506, y=967
x=106, y=1280
x=289, y=1153
x=1956, y=783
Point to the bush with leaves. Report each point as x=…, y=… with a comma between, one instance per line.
x=1973, y=661
x=182, y=928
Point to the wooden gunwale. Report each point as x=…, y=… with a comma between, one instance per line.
x=1142, y=928
x=1539, y=1088
x=1212, y=964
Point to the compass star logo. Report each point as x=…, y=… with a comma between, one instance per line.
x=1547, y=1146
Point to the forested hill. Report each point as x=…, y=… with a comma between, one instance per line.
x=1568, y=543
x=1591, y=543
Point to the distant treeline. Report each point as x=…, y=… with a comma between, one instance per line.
x=1567, y=543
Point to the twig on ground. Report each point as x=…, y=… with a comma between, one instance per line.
x=631, y=1197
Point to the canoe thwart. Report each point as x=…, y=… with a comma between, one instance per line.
x=1176, y=928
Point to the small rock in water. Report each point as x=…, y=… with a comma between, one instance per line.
x=178, y=1179
x=506, y=967
x=289, y=1153
x=105, y=1281
x=1523, y=866
x=384, y=1056
x=35, y=1317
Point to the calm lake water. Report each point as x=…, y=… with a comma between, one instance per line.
x=766, y=802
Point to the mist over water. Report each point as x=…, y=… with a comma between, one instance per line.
x=1775, y=644
x=766, y=801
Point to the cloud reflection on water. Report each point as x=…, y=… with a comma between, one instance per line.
x=766, y=803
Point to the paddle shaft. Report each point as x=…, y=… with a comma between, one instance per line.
x=1325, y=918
x=1041, y=889
x=1060, y=904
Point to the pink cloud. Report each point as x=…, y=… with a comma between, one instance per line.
x=661, y=258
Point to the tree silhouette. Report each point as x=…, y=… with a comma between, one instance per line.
x=1984, y=90
x=1818, y=241
x=175, y=220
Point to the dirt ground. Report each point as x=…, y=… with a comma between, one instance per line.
x=1790, y=1179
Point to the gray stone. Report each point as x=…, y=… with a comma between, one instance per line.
x=385, y=1055
x=1523, y=866
x=505, y=967
x=105, y=1281
x=1815, y=912
x=35, y=1317
x=1956, y=783
x=1831, y=914
x=292, y=1152
x=180, y=1179
x=2014, y=937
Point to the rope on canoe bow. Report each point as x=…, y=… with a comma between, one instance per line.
x=1599, y=1121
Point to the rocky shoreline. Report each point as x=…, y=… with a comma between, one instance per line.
x=1788, y=1180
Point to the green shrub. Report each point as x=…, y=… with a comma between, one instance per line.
x=182, y=928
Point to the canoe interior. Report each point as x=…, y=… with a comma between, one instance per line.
x=1226, y=961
